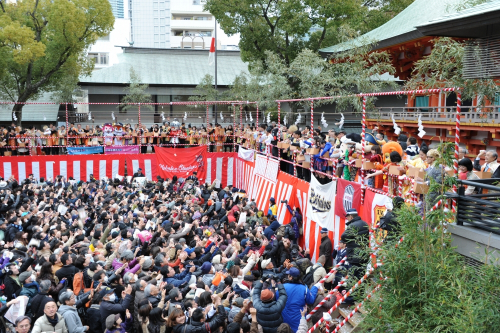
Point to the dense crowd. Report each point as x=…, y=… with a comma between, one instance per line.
x=172, y=256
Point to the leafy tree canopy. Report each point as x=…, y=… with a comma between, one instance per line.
x=287, y=27
x=42, y=42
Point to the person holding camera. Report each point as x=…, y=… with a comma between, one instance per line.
x=269, y=308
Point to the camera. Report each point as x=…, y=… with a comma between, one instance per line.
x=284, y=201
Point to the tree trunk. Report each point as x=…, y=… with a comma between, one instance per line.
x=18, y=109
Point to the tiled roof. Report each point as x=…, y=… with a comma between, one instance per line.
x=402, y=25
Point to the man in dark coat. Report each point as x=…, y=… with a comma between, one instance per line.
x=355, y=236
x=11, y=282
x=68, y=271
x=108, y=306
x=38, y=302
x=326, y=248
x=268, y=308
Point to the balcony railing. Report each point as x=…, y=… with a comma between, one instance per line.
x=468, y=114
x=479, y=210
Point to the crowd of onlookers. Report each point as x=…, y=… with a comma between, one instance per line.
x=171, y=256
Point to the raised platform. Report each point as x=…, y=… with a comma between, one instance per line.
x=476, y=243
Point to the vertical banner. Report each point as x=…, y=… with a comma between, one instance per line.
x=181, y=162
x=348, y=196
x=374, y=207
x=321, y=203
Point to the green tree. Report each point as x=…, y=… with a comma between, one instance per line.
x=309, y=75
x=136, y=93
x=444, y=68
x=44, y=41
x=430, y=288
x=287, y=27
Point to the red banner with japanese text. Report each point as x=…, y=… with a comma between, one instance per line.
x=182, y=162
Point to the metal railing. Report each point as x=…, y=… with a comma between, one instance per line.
x=469, y=114
x=480, y=210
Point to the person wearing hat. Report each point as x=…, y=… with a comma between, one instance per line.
x=244, y=289
x=114, y=323
x=30, y=287
x=108, y=305
x=298, y=296
x=51, y=321
x=354, y=237
x=326, y=248
x=11, y=281
x=268, y=308
x=273, y=209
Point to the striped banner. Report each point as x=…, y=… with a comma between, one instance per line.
x=78, y=167
x=219, y=166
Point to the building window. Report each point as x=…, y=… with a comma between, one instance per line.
x=157, y=30
x=422, y=102
x=162, y=5
x=162, y=13
x=196, y=2
x=99, y=58
x=162, y=30
x=157, y=44
x=156, y=13
x=162, y=21
x=162, y=45
x=162, y=37
x=157, y=38
x=156, y=21
x=206, y=33
x=155, y=5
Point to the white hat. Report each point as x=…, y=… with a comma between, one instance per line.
x=265, y=263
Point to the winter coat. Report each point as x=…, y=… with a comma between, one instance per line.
x=298, y=296
x=296, y=221
x=207, y=327
x=269, y=231
x=93, y=318
x=73, y=322
x=354, y=229
x=12, y=286
x=326, y=249
x=179, y=279
x=30, y=290
x=157, y=328
x=269, y=313
x=68, y=272
x=133, y=266
x=43, y=325
x=108, y=308
x=124, y=327
x=37, y=305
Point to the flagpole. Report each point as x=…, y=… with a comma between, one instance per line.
x=215, y=76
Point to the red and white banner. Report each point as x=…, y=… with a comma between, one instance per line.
x=296, y=192
x=181, y=162
x=374, y=207
x=79, y=167
x=218, y=165
x=348, y=196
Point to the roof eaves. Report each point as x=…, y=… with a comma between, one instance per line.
x=446, y=28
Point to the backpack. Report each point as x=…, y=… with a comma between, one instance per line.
x=283, y=231
x=79, y=286
x=309, y=277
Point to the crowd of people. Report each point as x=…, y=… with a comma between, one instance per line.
x=171, y=256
